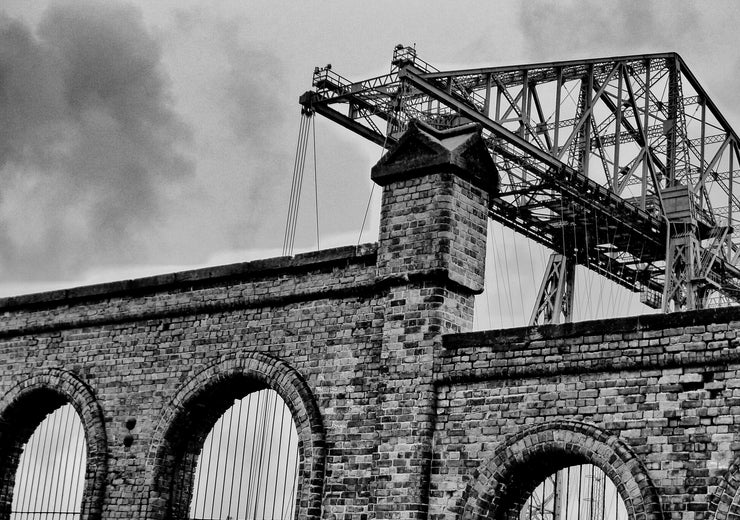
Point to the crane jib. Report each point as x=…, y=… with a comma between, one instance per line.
x=628, y=151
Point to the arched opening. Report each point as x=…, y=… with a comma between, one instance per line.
x=180, y=438
x=237, y=454
x=43, y=456
x=523, y=471
x=248, y=467
x=580, y=492
x=50, y=478
x=52, y=443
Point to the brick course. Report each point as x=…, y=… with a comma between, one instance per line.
x=663, y=387
x=401, y=413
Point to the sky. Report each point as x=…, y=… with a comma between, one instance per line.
x=149, y=136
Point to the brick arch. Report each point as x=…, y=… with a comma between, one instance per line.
x=216, y=387
x=503, y=483
x=25, y=406
x=725, y=501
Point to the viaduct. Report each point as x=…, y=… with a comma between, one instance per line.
x=401, y=411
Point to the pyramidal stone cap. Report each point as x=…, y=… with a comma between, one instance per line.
x=423, y=150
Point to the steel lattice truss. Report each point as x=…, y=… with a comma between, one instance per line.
x=605, y=161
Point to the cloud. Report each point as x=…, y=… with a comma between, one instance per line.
x=595, y=28
x=244, y=98
x=89, y=139
x=228, y=89
x=249, y=89
x=702, y=32
x=100, y=108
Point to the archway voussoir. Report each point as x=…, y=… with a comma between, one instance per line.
x=489, y=495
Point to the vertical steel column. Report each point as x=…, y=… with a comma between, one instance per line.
x=646, y=144
x=558, y=100
x=618, y=128
x=487, y=101
x=588, y=102
x=524, y=116
x=670, y=124
x=728, y=241
x=684, y=289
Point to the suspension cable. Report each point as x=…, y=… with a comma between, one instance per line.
x=244, y=448
x=289, y=222
x=260, y=464
x=228, y=448
x=235, y=452
x=316, y=185
x=296, y=186
x=277, y=475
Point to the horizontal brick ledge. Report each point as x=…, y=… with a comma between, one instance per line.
x=197, y=277
x=375, y=286
x=504, y=338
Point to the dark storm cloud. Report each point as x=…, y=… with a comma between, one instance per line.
x=88, y=137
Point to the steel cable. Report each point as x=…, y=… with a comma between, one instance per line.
x=316, y=185
x=230, y=412
x=236, y=448
x=304, y=148
x=280, y=447
x=296, y=186
x=64, y=411
x=251, y=461
x=244, y=448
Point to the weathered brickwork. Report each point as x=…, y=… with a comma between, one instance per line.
x=658, y=395
x=152, y=349
x=400, y=412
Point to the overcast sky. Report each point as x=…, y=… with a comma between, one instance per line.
x=150, y=136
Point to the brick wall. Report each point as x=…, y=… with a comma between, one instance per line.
x=657, y=395
x=400, y=412
x=147, y=349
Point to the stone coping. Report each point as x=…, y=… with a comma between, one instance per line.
x=505, y=338
x=197, y=277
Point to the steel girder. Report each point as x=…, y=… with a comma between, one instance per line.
x=585, y=150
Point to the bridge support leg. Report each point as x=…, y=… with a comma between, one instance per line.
x=431, y=255
x=555, y=298
x=682, y=292
x=686, y=284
